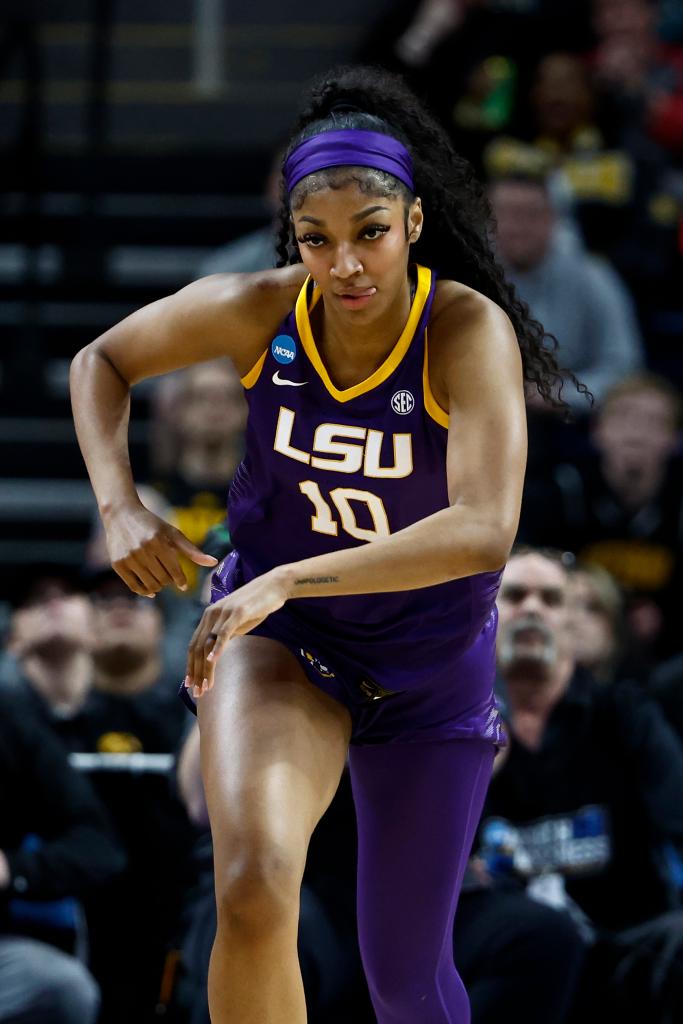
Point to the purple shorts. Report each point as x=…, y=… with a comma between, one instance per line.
x=448, y=697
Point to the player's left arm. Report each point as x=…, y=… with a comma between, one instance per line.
x=477, y=373
x=481, y=377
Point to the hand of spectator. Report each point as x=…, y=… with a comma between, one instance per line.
x=144, y=550
x=232, y=616
x=4, y=871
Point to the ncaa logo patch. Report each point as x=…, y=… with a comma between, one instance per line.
x=284, y=349
x=403, y=403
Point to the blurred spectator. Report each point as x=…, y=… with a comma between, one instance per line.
x=50, y=638
x=620, y=191
x=469, y=58
x=94, y=671
x=643, y=75
x=586, y=800
x=55, y=846
x=622, y=507
x=595, y=621
x=577, y=297
x=195, y=454
x=135, y=722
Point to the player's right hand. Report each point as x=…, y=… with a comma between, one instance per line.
x=144, y=549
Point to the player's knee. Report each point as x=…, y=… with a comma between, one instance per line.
x=259, y=888
x=402, y=996
x=406, y=980
x=395, y=982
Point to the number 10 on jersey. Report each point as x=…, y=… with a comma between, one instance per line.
x=325, y=521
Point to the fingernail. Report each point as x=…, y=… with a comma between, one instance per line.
x=196, y=692
x=205, y=682
x=186, y=681
x=210, y=657
x=182, y=586
x=151, y=595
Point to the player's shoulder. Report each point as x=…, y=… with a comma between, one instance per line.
x=457, y=306
x=244, y=310
x=468, y=331
x=259, y=291
x=462, y=319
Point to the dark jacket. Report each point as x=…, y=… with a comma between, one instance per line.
x=596, y=802
x=42, y=796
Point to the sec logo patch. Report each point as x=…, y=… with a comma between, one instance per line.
x=403, y=402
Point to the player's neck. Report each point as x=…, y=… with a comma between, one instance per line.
x=353, y=351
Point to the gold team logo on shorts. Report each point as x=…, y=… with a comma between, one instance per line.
x=317, y=664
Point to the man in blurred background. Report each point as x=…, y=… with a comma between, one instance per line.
x=588, y=797
x=620, y=506
x=134, y=726
x=92, y=668
x=50, y=639
x=577, y=297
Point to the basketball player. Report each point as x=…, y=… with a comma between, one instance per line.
x=371, y=517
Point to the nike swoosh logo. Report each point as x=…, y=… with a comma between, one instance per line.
x=277, y=379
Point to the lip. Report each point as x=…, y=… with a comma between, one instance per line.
x=356, y=298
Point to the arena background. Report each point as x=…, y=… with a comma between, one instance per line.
x=136, y=139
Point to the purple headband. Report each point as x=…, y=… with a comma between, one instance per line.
x=349, y=147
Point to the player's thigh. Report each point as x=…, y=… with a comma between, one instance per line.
x=273, y=747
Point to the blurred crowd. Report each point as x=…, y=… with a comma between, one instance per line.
x=572, y=112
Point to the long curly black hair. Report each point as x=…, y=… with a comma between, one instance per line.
x=456, y=237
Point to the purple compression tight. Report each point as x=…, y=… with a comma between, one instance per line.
x=418, y=807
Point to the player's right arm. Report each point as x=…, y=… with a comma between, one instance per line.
x=231, y=315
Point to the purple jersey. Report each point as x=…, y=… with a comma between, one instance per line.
x=328, y=469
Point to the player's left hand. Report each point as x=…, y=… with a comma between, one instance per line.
x=231, y=616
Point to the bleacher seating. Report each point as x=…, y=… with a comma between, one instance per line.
x=122, y=169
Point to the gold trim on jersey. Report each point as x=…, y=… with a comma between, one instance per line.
x=250, y=378
x=303, y=323
x=431, y=405
x=253, y=375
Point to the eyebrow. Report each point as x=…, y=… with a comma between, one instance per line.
x=356, y=216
